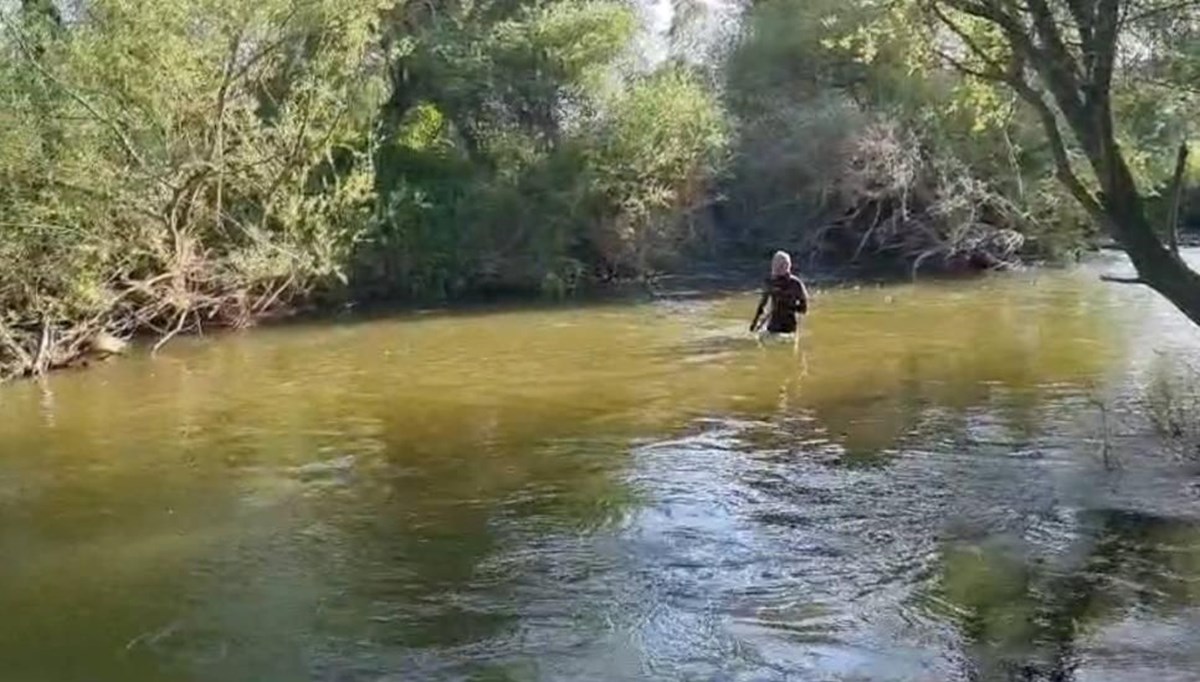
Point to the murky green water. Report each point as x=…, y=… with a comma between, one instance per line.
x=630, y=492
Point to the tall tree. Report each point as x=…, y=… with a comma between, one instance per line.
x=1062, y=57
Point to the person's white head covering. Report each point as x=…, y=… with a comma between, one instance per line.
x=781, y=264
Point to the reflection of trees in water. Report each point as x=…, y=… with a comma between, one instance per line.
x=1025, y=618
x=914, y=406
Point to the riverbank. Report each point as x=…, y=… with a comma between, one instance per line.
x=695, y=280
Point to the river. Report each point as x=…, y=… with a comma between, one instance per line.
x=917, y=490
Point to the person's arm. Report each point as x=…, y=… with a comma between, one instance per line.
x=762, y=303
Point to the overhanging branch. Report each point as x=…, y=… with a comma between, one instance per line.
x=1041, y=47
x=1014, y=77
x=1058, y=148
x=994, y=72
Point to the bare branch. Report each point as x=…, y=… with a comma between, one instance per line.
x=15, y=348
x=41, y=361
x=179, y=322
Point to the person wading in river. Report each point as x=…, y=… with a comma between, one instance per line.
x=788, y=297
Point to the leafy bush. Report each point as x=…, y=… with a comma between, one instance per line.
x=169, y=164
x=166, y=165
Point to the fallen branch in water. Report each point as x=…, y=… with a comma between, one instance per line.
x=1122, y=280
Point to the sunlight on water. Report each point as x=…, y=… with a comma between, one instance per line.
x=623, y=491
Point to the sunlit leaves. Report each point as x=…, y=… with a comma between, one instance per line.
x=157, y=120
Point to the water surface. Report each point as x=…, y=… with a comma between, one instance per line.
x=638, y=491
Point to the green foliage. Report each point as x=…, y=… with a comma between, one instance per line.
x=165, y=165
x=1153, y=98
x=791, y=88
x=809, y=83
x=138, y=149
x=520, y=151
x=649, y=155
x=171, y=164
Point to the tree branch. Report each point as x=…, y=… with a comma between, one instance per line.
x=216, y=154
x=1159, y=11
x=1014, y=77
x=15, y=348
x=1176, y=197
x=1083, y=11
x=1103, y=48
x=1122, y=280
x=1052, y=60
x=996, y=72
x=1056, y=64
x=1058, y=148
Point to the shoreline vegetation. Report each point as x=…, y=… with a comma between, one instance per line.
x=168, y=167
x=696, y=281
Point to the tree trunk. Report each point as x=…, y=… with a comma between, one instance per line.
x=1157, y=266
x=1123, y=207
x=1078, y=84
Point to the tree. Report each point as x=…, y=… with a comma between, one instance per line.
x=167, y=165
x=1062, y=58
x=523, y=146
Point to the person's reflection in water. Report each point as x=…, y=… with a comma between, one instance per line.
x=793, y=375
